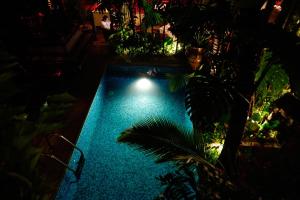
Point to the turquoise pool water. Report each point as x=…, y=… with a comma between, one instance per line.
x=112, y=170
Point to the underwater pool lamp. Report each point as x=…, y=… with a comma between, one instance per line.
x=143, y=84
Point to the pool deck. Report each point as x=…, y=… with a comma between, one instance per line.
x=96, y=59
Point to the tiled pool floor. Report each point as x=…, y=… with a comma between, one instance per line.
x=112, y=170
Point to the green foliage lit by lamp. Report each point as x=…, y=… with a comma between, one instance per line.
x=128, y=43
x=273, y=83
x=151, y=17
x=169, y=142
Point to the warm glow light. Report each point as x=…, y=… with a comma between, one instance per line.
x=50, y=5
x=170, y=49
x=277, y=7
x=217, y=146
x=264, y=6
x=143, y=84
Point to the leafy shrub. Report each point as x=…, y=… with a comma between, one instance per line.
x=127, y=42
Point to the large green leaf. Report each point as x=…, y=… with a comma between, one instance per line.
x=194, y=180
x=151, y=17
x=178, y=81
x=61, y=98
x=208, y=100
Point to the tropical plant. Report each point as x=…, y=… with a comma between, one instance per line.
x=271, y=83
x=138, y=43
x=200, y=39
x=9, y=70
x=208, y=100
x=20, y=133
x=165, y=140
x=21, y=150
x=168, y=142
x=151, y=17
x=194, y=181
x=126, y=42
x=19, y=159
x=248, y=35
x=196, y=177
x=275, y=81
x=183, y=22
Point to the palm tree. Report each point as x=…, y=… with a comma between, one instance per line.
x=196, y=178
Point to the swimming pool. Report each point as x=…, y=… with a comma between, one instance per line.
x=113, y=170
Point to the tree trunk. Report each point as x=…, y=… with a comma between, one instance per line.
x=245, y=85
x=132, y=19
x=228, y=156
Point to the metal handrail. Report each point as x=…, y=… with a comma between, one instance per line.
x=77, y=171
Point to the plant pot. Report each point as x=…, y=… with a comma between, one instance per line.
x=195, y=56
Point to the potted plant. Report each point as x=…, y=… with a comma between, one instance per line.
x=191, y=25
x=198, y=46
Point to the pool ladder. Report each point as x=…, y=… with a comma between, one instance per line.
x=80, y=163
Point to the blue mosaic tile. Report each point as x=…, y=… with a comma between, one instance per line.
x=112, y=170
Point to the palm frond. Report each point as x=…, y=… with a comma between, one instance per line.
x=188, y=159
x=164, y=140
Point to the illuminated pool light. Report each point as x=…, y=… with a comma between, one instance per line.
x=143, y=84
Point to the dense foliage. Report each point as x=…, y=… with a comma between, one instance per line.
x=245, y=79
x=27, y=113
